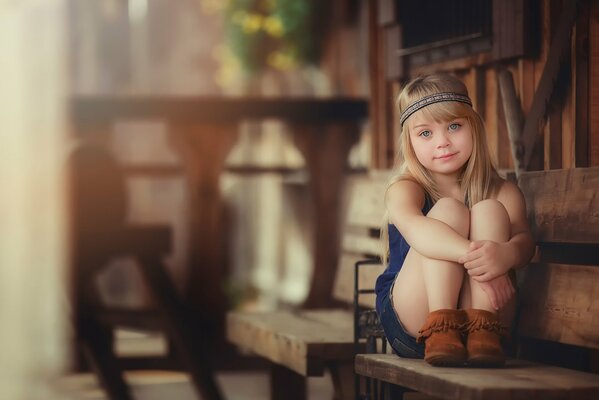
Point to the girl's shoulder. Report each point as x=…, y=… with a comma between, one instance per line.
x=406, y=190
x=507, y=190
x=409, y=185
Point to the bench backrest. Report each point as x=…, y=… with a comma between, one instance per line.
x=363, y=214
x=560, y=289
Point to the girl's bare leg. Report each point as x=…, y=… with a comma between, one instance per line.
x=424, y=284
x=488, y=221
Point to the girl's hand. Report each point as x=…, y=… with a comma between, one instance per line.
x=500, y=291
x=487, y=260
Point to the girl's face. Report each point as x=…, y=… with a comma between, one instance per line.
x=441, y=147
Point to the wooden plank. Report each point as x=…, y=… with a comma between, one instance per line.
x=344, y=283
x=387, y=12
x=375, y=63
x=518, y=380
x=594, y=85
x=504, y=159
x=580, y=100
x=558, y=52
x=563, y=205
x=568, y=128
x=451, y=65
x=553, y=143
x=511, y=28
x=560, y=303
x=302, y=341
x=393, y=42
x=490, y=112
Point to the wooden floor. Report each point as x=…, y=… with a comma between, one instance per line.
x=155, y=385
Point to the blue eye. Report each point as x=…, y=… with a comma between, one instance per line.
x=454, y=127
x=425, y=134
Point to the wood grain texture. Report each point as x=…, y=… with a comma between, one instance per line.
x=558, y=52
x=594, y=84
x=563, y=205
x=518, y=380
x=302, y=341
x=560, y=303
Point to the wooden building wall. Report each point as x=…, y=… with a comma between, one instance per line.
x=523, y=33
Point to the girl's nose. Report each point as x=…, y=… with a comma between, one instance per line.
x=443, y=141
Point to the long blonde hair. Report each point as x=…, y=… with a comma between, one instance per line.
x=478, y=178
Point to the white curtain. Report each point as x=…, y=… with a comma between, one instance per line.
x=33, y=66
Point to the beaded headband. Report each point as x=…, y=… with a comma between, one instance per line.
x=433, y=98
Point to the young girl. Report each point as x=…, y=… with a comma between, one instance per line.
x=456, y=229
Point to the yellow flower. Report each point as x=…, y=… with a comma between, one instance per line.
x=273, y=26
x=281, y=60
x=229, y=67
x=252, y=23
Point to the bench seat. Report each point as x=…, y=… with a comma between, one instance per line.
x=304, y=343
x=558, y=315
x=537, y=381
x=302, y=340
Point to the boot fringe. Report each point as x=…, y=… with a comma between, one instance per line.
x=440, y=324
x=482, y=323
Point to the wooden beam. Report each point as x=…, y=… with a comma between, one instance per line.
x=105, y=109
x=513, y=117
x=558, y=54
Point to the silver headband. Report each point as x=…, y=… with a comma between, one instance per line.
x=433, y=98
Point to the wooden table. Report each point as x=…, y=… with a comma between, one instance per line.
x=204, y=129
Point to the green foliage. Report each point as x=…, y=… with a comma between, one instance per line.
x=281, y=34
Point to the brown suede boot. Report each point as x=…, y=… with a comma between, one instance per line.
x=442, y=337
x=484, y=339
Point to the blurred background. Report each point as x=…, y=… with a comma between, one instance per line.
x=209, y=119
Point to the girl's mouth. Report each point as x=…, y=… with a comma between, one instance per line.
x=446, y=156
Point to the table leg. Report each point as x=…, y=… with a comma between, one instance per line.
x=325, y=149
x=203, y=149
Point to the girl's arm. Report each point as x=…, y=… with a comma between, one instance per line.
x=429, y=237
x=487, y=260
x=521, y=239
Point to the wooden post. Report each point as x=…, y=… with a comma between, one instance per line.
x=203, y=149
x=325, y=149
x=286, y=384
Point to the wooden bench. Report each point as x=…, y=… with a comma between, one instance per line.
x=304, y=343
x=558, y=314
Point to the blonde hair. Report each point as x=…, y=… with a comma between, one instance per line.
x=478, y=178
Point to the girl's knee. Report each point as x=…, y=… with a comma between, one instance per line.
x=453, y=213
x=492, y=208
